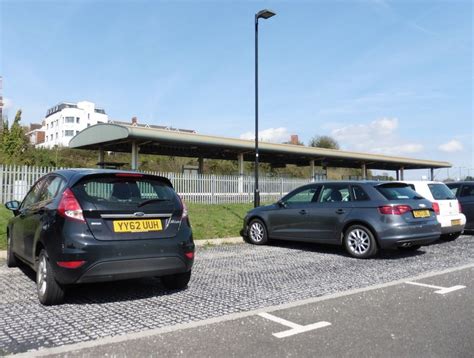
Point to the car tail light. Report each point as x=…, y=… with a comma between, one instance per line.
x=436, y=207
x=69, y=207
x=189, y=255
x=394, y=210
x=184, y=215
x=71, y=264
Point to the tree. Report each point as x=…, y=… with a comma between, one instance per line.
x=14, y=141
x=323, y=141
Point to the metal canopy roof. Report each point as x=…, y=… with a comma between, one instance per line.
x=119, y=138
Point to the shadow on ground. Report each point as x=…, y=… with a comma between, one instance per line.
x=391, y=254
x=114, y=291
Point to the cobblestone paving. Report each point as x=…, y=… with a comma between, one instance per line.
x=226, y=279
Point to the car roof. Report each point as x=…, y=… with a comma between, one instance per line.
x=355, y=182
x=77, y=174
x=422, y=182
x=89, y=171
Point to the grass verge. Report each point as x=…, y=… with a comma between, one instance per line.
x=208, y=221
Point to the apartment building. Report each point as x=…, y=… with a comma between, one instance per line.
x=65, y=120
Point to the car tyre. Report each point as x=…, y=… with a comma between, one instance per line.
x=450, y=237
x=359, y=242
x=257, y=232
x=177, y=281
x=50, y=292
x=12, y=261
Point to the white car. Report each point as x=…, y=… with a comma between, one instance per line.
x=446, y=206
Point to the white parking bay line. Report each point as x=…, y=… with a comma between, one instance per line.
x=295, y=328
x=440, y=290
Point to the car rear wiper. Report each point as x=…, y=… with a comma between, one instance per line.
x=417, y=197
x=146, y=202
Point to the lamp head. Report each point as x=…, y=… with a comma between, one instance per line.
x=264, y=14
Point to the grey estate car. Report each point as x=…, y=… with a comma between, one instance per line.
x=362, y=216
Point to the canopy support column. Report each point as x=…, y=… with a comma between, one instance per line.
x=101, y=157
x=431, y=173
x=364, y=171
x=134, y=163
x=201, y=165
x=312, y=170
x=402, y=174
x=240, y=159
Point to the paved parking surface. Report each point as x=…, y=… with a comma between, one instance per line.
x=397, y=320
x=226, y=279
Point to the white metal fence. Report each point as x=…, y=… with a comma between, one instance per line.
x=15, y=182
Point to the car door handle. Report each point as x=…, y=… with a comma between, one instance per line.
x=340, y=211
x=303, y=212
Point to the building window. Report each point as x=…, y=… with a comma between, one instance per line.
x=69, y=119
x=77, y=132
x=47, y=125
x=57, y=135
x=69, y=133
x=77, y=119
x=88, y=124
x=51, y=137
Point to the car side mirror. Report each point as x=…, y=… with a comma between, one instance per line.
x=13, y=205
x=281, y=204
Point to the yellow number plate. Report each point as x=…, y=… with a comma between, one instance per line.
x=456, y=222
x=421, y=213
x=137, y=225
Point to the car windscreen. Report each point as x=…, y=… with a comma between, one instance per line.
x=398, y=191
x=441, y=192
x=111, y=192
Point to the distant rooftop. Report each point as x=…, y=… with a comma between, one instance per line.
x=59, y=107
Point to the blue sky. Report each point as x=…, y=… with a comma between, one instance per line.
x=379, y=76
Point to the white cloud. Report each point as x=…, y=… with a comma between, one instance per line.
x=451, y=146
x=379, y=136
x=275, y=135
x=7, y=103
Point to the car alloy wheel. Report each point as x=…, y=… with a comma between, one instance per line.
x=42, y=276
x=49, y=291
x=359, y=241
x=257, y=232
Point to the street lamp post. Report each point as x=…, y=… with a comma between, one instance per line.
x=263, y=14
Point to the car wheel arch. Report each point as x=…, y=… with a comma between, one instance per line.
x=362, y=223
x=38, y=247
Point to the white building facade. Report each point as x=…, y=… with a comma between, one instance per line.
x=65, y=120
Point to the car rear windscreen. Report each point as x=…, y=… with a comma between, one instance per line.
x=397, y=192
x=123, y=192
x=441, y=192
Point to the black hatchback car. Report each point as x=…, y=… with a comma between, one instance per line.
x=85, y=225
x=361, y=216
x=464, y=191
